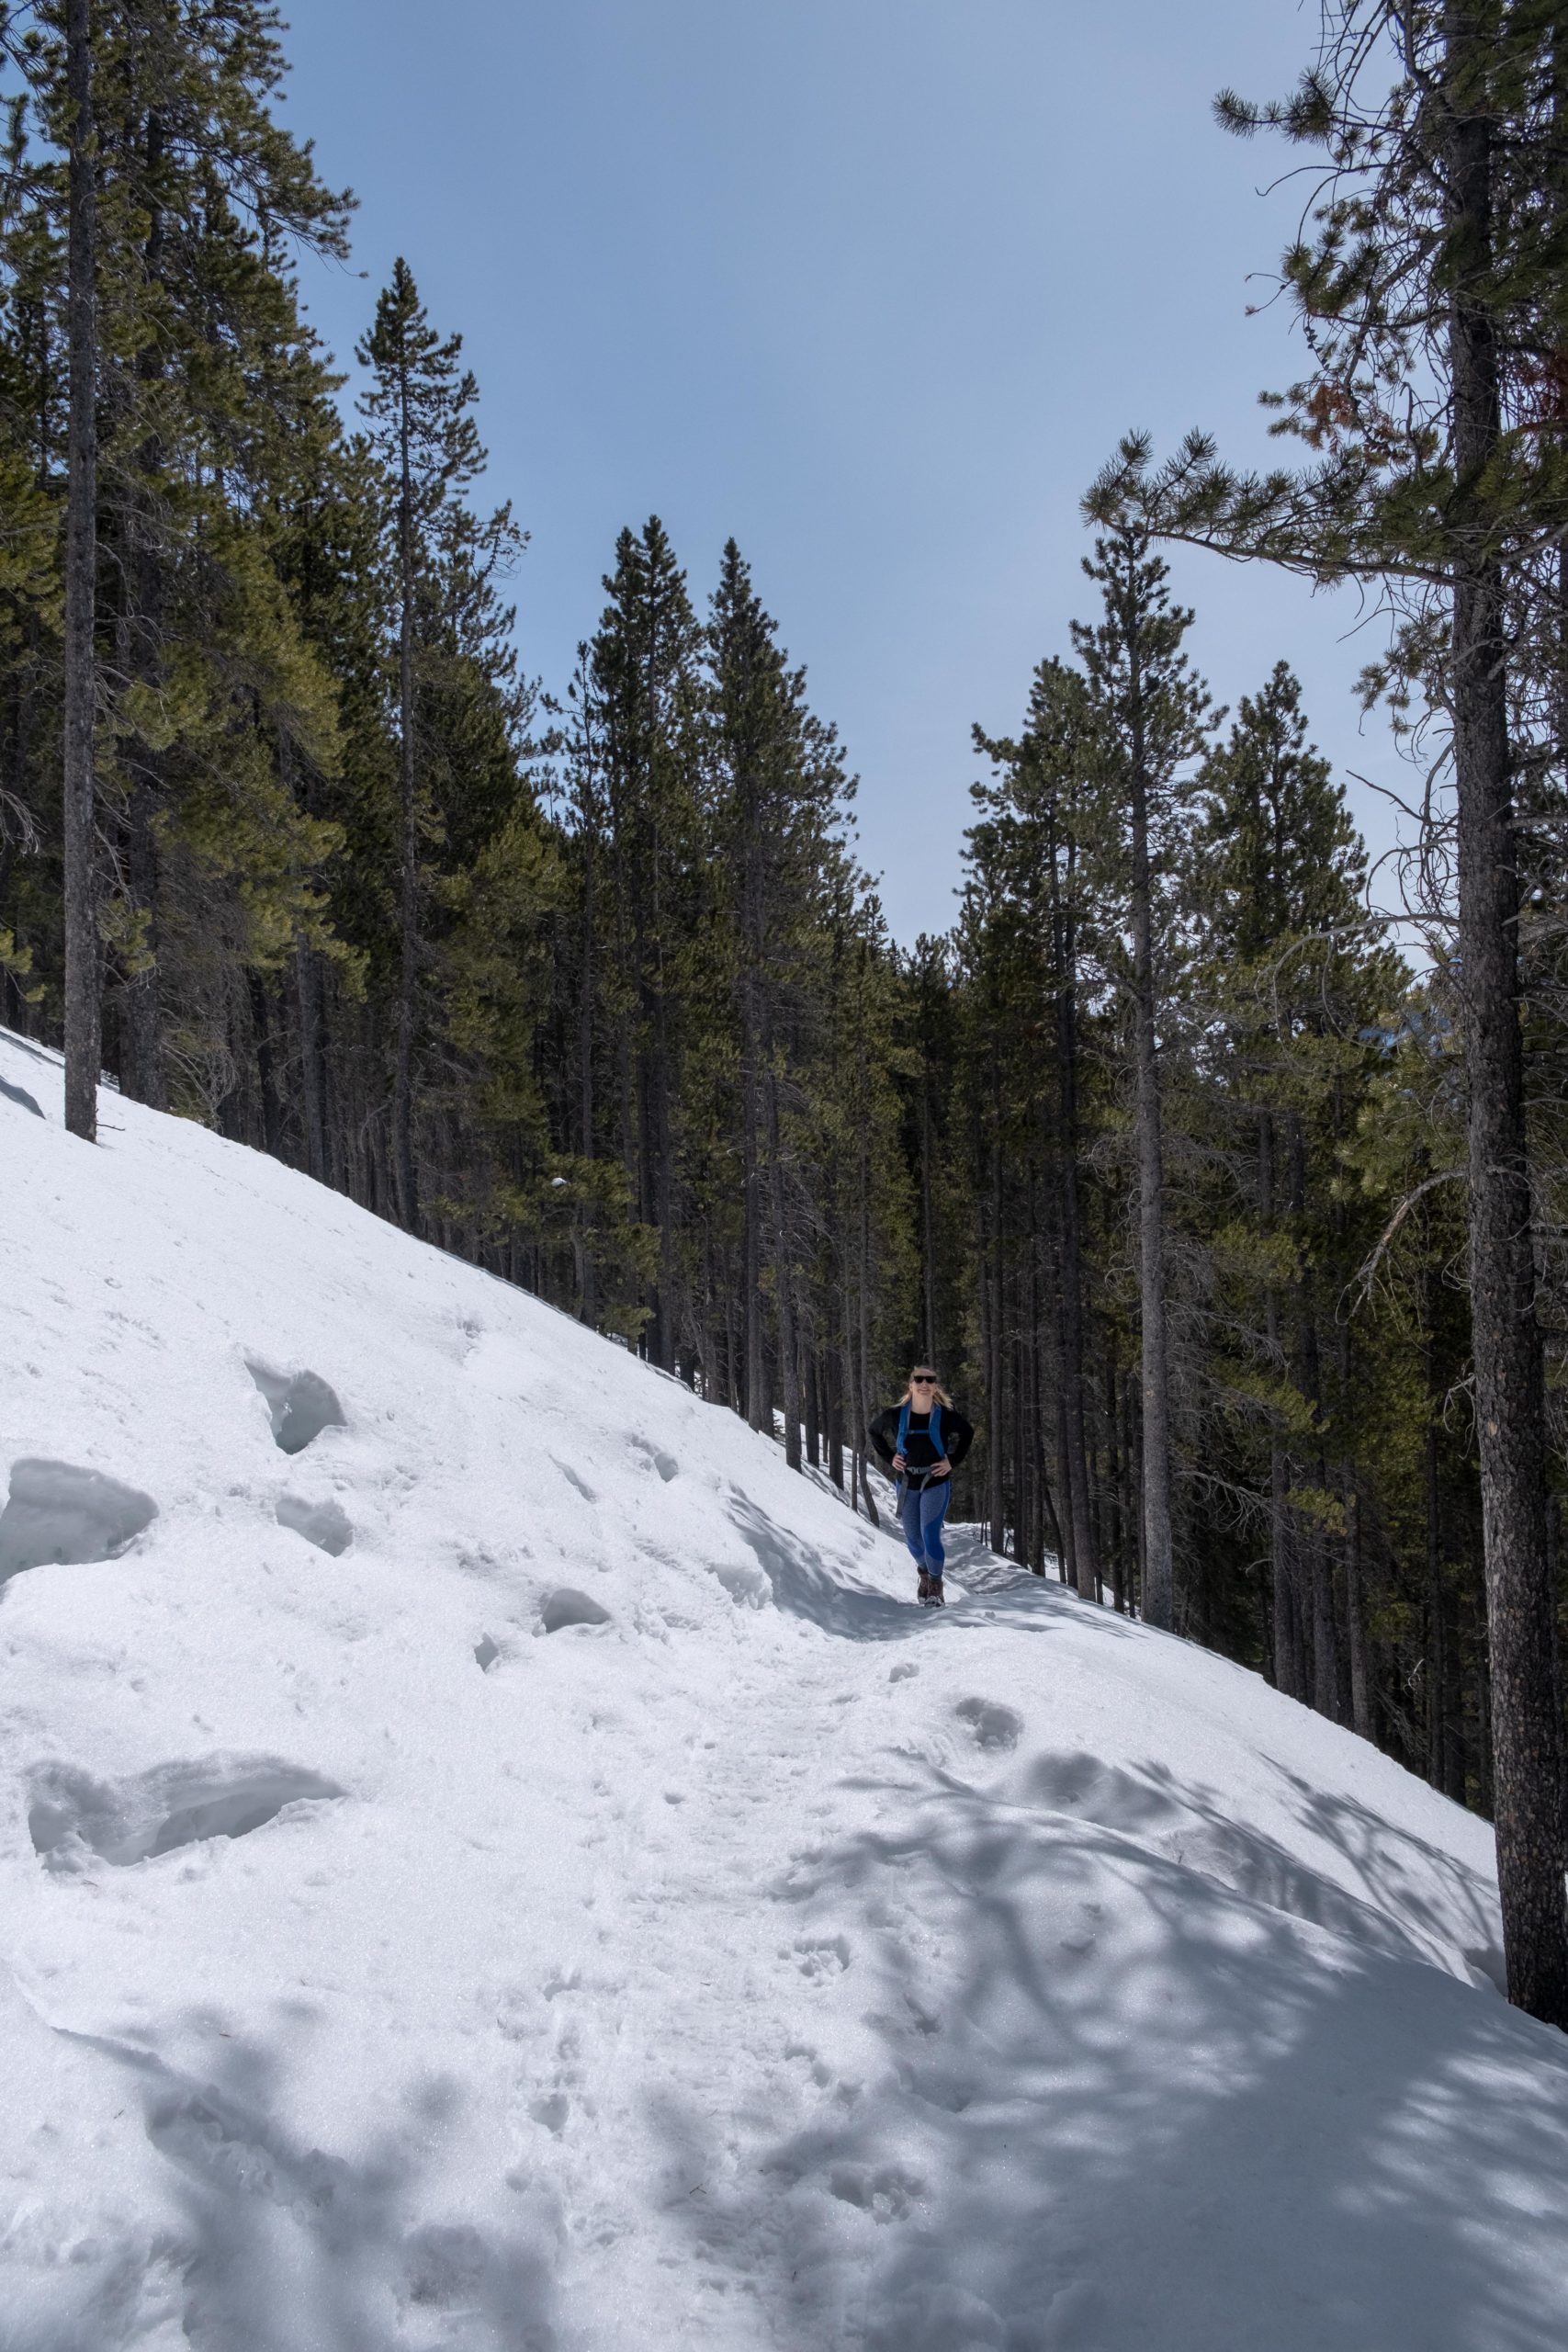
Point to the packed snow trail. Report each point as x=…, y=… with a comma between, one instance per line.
x=493, y=1861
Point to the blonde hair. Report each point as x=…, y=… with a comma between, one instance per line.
x=908, y=1397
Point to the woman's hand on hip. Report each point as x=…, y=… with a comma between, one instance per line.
x=942, y=1469
x=899, y=1463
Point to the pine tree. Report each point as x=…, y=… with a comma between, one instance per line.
x=1033, y=839
x=1296, y=984
x=1432, y=292
x=778, y=787
x=1152, y=712
x=172, y=279
x=645, y=664
x=429, y=445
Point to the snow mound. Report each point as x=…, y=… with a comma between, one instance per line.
x=756, y=1961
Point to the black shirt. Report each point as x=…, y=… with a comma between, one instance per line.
x=955, y=1432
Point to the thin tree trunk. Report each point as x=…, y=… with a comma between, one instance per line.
x=1436, y=1662
x=758, y=1401
x=995, y=1432
x=863, y=1357
x=832, y=1363
x=927, y=1233
x=313, y=1089
x=1288, y=1675
x=1510, y=1398
x=266, y=1067
x=1115, y=1471
x=83, y=1015
x=1085, y=1575
x=408, y=980
x=587, y=1286
x=142, y=1074
x=145, y=584
x=783, y=1281
x=1158, y=1581
x=1356, y=1615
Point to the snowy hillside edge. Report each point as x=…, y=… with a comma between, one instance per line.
x=490, y=1859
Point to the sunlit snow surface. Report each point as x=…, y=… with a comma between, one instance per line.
x=495, y=1863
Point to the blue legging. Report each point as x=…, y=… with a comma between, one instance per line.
x=923, y=1511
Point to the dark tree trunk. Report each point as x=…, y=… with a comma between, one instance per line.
x=928, y=1230
x=84, y=1047
x=1437, y=1629
x=266, y=1067
x=142, y=1074
x=587, y=1299
x=1158, y=1579
x=1116, y=1464
x=1510, y=1399
x=783, y=1281
x=1356, y=1613
x=1288, y=1674
x=758, y=1401
x=1086, y=1576
x=313, y=1060
x=833, y=1381
x=1072, y=1571
x=406, y=1176
x=996, y=1440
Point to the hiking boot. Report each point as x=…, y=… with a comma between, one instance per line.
x=925, y=1586
x=935, y=1597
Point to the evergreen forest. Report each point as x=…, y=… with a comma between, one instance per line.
x=1225, y=1182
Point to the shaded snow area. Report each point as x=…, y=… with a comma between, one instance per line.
x=492, y=1861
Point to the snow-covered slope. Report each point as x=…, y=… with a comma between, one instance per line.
x=492, y=1861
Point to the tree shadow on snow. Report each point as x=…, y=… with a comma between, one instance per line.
x=1411, y=1891
x=802, y=1585
x=996, y=1591
x=1112, y=2103
x=280, y=2246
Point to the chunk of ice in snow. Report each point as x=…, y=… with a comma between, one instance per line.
x=60, y=1515
x=300, y=1404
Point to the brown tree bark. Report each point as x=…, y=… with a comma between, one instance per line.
x=1158, y=1573
x=784, y=1281
x=404, y=1172
x=1510, y=1393
x=1086, y=1573
x=84, y=1018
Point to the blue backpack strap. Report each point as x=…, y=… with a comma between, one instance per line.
x=903, y=1427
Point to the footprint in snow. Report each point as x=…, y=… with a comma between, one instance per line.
x=990, y=1724
x=665, y=1464
x=823, y=1958
x=569, y=1474
x=885, y=2191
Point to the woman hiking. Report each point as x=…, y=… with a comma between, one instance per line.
x=921, y=1440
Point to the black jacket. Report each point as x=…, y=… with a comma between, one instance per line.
x=957, y=1437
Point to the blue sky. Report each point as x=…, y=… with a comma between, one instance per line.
x=875, y=284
